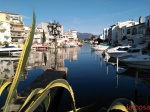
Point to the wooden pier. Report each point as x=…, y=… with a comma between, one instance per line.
x=41, y=82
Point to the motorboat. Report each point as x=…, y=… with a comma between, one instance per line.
x=133, y=51
x=116, y=51
x=138, y=61
x=100, y=47
x=9, y=50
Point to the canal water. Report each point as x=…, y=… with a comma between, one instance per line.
x=91, y=78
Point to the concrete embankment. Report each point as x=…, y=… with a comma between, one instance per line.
x=41, y=82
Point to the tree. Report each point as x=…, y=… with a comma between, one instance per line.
x=43, y=38
x=93, y=37
x=1, y=43
x=5, y=43
x=140, y=19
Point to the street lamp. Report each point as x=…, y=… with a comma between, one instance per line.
x=54, y=29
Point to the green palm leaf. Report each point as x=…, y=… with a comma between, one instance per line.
x=21, y=65
x=46, y=102
x=31, y=96
x=43, y=93
x=5, y=84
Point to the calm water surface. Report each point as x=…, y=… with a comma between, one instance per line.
x=92, y=79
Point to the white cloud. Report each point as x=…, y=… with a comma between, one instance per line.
x=25, y=17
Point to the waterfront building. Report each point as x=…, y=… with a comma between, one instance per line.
x=147, y=30
x=101, y=36
x=70, y=36
x=135, y=34
x=116, y=31
x=105, y=33
x=5, y=32
x=16, y=26
x=111, y=33
x=49, y=36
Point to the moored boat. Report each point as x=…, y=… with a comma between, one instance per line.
x=138, y=61
x=100, y=47
x=9, y=50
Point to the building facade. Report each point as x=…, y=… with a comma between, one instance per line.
x=16, y=26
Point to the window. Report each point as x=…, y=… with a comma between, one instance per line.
x=140, y=30
x=148, y=23
x=128, y=31
x=134, y=31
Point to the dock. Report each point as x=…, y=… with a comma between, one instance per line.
x=41, y=82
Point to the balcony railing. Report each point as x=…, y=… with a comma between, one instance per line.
x=16, y=23
x=17, y=29
x=18, y=35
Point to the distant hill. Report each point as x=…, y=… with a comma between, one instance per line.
x=84, y=35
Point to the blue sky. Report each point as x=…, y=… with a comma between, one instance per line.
x=89, y=16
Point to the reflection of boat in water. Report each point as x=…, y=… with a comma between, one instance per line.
x=9, y=58
x=38, y=47
x=141, y=77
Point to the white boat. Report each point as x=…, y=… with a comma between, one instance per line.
x=9, y=50
x=66, y=45
x=133, y=51
x=116, y=51
x=72, y=44
x=100, y=47
x=138, y=61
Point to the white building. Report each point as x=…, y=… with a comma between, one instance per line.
x=117, y=31
x=101, y=36
x=147, y=30
x=70, y=36
x=105, y=33
x=5, y=34
x=135, y=34
x=50, y=38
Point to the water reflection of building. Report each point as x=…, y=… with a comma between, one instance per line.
x=8, y=69
x=46, y=59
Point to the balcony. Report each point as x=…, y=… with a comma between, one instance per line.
x=18, y=35
x=17, y=29
x=16, y=23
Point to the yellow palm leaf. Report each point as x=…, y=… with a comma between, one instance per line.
x=121, y=104
x=5, y=84
x=44, y=92
x=21, y=65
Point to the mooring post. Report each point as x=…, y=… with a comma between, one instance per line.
x=117, y=64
